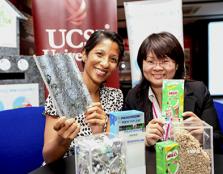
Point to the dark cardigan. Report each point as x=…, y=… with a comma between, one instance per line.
x=196, y=99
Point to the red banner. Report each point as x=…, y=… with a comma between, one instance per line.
x=65, y=25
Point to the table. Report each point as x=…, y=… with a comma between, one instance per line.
x=218, y=164
x=62, y=166
x=67, y=166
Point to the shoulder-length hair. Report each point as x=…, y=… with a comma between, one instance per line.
x=161, y=44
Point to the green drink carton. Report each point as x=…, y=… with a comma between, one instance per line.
x=167, y=157
x=172, y=99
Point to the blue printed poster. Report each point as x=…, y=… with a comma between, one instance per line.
x=14, y=96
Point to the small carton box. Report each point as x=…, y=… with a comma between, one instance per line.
x=172, y=99
x=167, y=157
x=126, y=121
x=130, y=124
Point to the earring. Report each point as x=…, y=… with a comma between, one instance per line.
x=83, y=58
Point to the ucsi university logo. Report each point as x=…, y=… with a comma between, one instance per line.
x=72, y=34
x=66, y=39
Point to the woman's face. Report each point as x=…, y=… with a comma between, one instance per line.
x=101, y=61
x=155, y=70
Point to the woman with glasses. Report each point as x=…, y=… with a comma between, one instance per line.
x=161, y=56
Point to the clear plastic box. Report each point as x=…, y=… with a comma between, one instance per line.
x=100, y=154
x=195, y=147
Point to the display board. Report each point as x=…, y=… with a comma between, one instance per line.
x=66, y=25
x=20, y=78
x=215, y=70
x=14, y=96
x=146, y=17
x=9, y=28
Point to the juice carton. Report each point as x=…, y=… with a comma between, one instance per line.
x=167, y=157
x=172, y=99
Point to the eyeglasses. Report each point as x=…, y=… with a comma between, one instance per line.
x=165, y=63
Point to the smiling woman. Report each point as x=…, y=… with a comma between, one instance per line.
x=100, y=56
x=101, y=61
x=156, y=69
x=160, y=57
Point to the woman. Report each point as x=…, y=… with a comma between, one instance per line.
x=161, y=56
x=100, y=56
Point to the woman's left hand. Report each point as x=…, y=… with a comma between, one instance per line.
x=190, y=117
x=95, y=116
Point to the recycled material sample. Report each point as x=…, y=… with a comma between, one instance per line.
x=64, y=83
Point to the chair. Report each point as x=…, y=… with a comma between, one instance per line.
x=21, y=139
x=219, y=109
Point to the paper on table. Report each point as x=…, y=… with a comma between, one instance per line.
x=64, y=83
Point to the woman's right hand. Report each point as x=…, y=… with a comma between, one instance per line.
x=58, y=135
x=154, y=131
x=67, y=129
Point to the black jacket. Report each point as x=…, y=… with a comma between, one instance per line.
x=196, y=99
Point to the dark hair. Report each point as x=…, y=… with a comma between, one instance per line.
x=100, y=35
x=162, y=44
